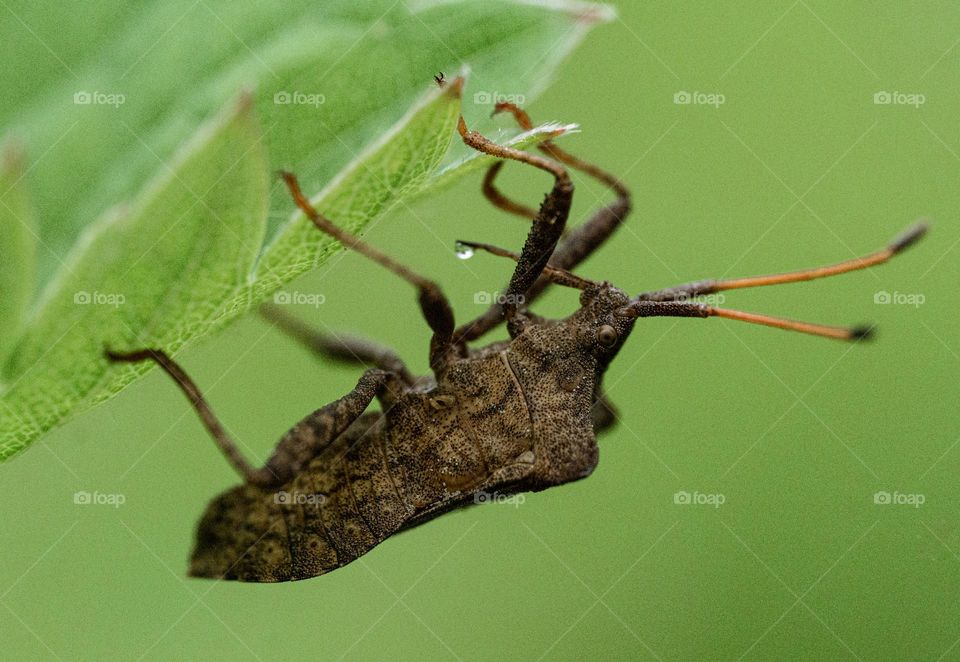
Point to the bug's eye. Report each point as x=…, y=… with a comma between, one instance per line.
x=607, y=335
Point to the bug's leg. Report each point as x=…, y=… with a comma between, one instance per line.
x=434, y=305
x=499, y=200
x=299, y=445
x=344, y=349
x=575, y=246
x=547, y=227
x=909, y=237
x=309, y=437
x=493, y=194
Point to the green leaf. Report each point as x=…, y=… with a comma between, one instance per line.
x=151, y=275
x=395, y=166
x=197, y=247
x=16, y=248
x=347, y=70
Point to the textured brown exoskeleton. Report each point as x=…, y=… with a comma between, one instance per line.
x=516, y=415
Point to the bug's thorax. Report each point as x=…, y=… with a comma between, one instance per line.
x=513, y=415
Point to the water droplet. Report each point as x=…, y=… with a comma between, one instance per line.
x=464, y=252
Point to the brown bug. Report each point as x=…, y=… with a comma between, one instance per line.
x=517, y=415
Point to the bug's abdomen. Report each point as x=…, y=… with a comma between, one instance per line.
x=242, y=535
x=430, y=452
x=340, y=506
x=358, y=505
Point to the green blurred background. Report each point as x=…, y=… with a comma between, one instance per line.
x=797, y=167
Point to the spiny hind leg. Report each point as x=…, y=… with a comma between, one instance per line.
x=574, y=247
x=300, y=444
x=545, y=231
x=349, y=350
x=490, y=191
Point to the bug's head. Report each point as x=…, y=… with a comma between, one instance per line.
x=602, y=323
x=572, y=353
x=577, y=349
